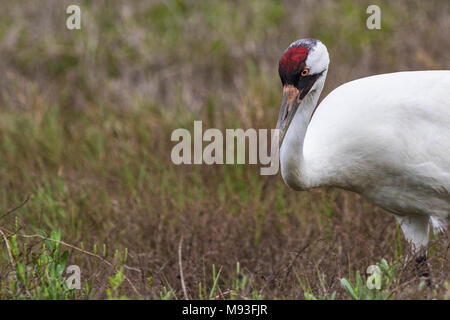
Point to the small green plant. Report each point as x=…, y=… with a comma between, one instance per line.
x=215, y=288
x=307, y=291
x=166, y=294
x=242, y=287
x=240, y=281
x=115, y=282
x=40, y=275
x=239, y=288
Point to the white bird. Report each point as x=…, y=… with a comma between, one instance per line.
x=385, y=137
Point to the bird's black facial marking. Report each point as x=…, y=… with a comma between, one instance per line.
x=304, y=84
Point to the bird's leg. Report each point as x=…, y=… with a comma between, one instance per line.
x=423, y=268
x=416, y=228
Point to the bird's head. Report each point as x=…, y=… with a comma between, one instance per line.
x=302, y=65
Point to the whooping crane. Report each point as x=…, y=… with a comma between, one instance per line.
x=385, y=137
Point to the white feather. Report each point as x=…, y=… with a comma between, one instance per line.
x=386, y=137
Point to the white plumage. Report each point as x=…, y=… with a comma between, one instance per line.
x=386, y=137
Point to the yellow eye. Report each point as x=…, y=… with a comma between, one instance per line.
x=305, y=72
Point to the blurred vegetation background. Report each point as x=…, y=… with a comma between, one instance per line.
x=85, y=123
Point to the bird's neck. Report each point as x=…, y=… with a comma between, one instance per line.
x=294, y=166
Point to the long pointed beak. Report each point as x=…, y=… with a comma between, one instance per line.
x=291, y=101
